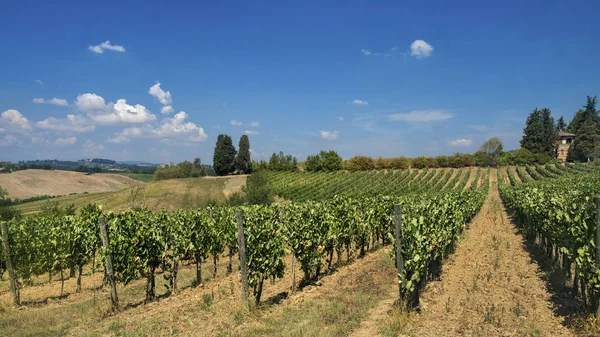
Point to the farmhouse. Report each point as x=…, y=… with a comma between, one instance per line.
x=564, y=142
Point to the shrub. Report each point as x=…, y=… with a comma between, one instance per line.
x=419, y=162
x=360, y=163
x=400, y=163
x=382, y=163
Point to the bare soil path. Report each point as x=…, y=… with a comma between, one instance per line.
x=489, y=287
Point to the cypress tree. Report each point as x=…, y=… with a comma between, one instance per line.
x=224, y=155
x=243, y=162
x=533, y=133
x=586, y=144
x=560, y=124
x=550, y=133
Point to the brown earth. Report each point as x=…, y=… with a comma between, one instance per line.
x=490, y=286
x=30, y=183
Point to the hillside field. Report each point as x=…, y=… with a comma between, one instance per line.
x=30, y=183
x=188, y=193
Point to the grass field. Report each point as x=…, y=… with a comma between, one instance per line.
x=138, y=176
x=172, y=194
x=30, y=183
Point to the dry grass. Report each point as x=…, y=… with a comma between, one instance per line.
x=172, y=194
x=334, y=306
x=30, y=183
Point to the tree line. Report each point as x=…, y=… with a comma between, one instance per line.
x=541, y=134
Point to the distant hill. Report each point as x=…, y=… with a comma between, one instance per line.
x=140, y=163
x=30, y=183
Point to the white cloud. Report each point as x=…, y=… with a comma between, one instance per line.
x=54, y=101
x=177, y=128
x=236, y=123
x=421, y=116
x=15, y=117
x=2, y=130
x=90, y=103
x=254, y=124
x=73, y=123
x=164, y=97
x=89, y=147
x=112, y=113
x=460, y=142
x=8, y=140
x=251, y=132
x=360, y=102
x=39, y=82
x=63, y=142
x=365, y=52
x=99, y=49
x=126, y=134
x=329, y=135
x=166, y=110
x=420, y=49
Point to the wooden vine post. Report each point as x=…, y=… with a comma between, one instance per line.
x=14, y=287
x=399, y=258
x=109, y=267
x=597, y=302
x=242, y=252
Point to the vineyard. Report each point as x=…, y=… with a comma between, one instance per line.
x=556, y=209
x=324, y=220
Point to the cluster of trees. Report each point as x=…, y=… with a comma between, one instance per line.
x=277, y=162
x=541, y=135
x=586, y=127
x=185, y=169
x=327, y=161
x=227, y=160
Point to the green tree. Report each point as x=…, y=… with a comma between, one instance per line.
x=282, y=162
x=328, y=161
x=489, y=153
x=257, y=189
x=533, y=134
x=586, y=145
x=243, y=163
x=3, y=193
x=588, y=112
x=224, y=155
x=560, y=124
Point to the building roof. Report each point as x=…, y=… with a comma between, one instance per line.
x=565, y=134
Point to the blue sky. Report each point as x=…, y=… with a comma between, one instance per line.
x=389, y=78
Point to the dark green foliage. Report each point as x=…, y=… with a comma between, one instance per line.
x=560, y=124
x=586, y=144
x=184, y=169
x=257, y=190
x=539, y=134
x=243, y=164
x=281, y=162
x=589, y=113
x=533, y=133
x=328, y=161
x=224, y=156
x=521, y=156
x=8, y=213
x=360, y=163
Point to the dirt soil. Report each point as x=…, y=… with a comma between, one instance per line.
x=490, y=286
x=30, y=183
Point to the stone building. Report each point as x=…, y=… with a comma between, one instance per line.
x=564, y=142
